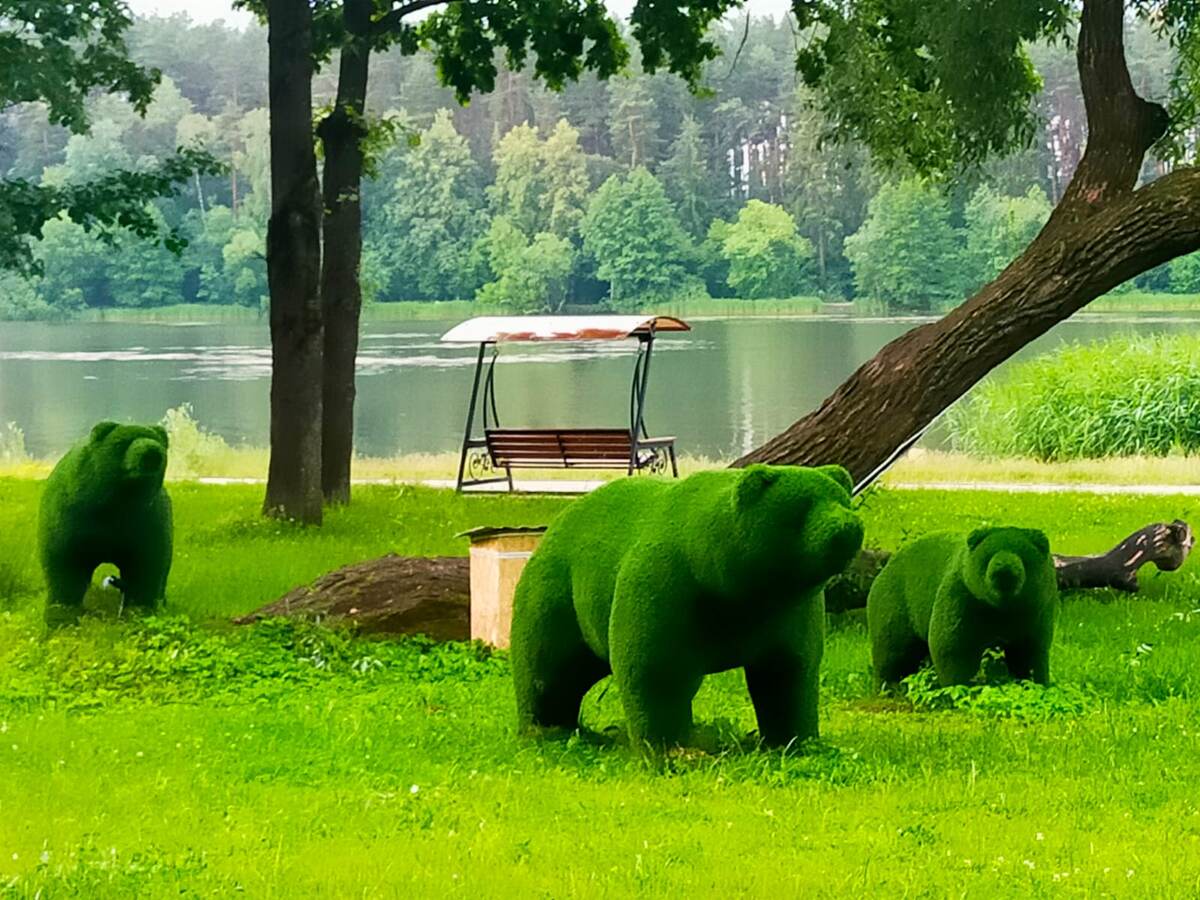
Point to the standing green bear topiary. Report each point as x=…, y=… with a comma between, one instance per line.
x=105, y=503
x=661, y=583
x=950, y=597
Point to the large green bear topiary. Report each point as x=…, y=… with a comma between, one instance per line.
x=950, y=597
x=105, y=503
x=661, y=583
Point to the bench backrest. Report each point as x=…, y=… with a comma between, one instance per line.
x=553, y=447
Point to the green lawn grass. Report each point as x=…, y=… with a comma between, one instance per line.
x=181, y=756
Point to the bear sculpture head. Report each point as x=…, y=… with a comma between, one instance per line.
x=1002, y=561
x=797, y=522
x=131, y=459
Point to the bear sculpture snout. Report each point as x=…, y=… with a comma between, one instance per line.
x=146, y=459
x=1006, y=574
x=847, y=541
x=836, y=545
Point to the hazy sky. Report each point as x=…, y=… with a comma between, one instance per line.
x=209, y=10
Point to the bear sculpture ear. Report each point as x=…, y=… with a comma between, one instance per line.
x=976, y=537
x=838, y=474
x=1039, y=540
x=161, y=434
x=753, y=483
x=101, y=430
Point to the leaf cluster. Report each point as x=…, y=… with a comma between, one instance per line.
x=59, y=52
x=116, y=200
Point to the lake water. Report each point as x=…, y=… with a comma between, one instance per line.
x=721, y=389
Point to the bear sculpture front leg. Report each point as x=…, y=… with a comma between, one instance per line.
x=784, y=682
x=653, y=648
x=553, y=667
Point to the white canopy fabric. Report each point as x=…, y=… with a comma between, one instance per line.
x=494, y=329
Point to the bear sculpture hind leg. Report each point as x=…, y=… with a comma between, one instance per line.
x=552, y=666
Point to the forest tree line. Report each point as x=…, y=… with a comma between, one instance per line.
x=620, y=192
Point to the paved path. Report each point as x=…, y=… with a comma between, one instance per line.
x=564, y=486
x=1022, y=487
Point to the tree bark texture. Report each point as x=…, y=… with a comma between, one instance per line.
x=341, y=134
x=1102, y=233
x=293, y=270
x=1167, y=545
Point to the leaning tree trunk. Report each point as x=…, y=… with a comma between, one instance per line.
x=1101, y=234
x=293, y=270
x=341, y=134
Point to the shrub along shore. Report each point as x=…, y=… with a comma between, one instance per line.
x=181, y=754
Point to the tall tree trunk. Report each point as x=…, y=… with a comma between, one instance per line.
x=293, y=270
x=341, y=134
x=1101, y=234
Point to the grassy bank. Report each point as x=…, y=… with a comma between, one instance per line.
x=422, y=310
x=1145, y=302
x=178, y=756
x=933, y=466
x=919, y=466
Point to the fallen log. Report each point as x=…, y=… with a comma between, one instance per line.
x=1167, y=545
x=389, y=595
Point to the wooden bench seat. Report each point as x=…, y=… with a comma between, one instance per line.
x=568, y=448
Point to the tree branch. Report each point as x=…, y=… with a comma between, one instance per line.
x=1121, y=125
x=394, y=16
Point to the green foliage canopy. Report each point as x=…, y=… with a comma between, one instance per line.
x=998, y=229
x=431, y=216
x=57, y=54
x=907, y=253
x=530, y=275
x=937, y=85
x=636, y=241
x=766, y=255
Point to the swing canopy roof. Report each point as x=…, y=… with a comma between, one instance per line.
x=497, y=329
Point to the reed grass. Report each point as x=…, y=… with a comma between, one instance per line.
x=1129, y=395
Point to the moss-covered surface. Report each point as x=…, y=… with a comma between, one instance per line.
x=662, y=583
x=104, y=503
x=950, y=597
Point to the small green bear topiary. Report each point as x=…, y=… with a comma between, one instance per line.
x=950, y=597
x=661, y=583
x=105, y=503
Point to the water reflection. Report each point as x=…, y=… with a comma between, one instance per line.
x=721, y=389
